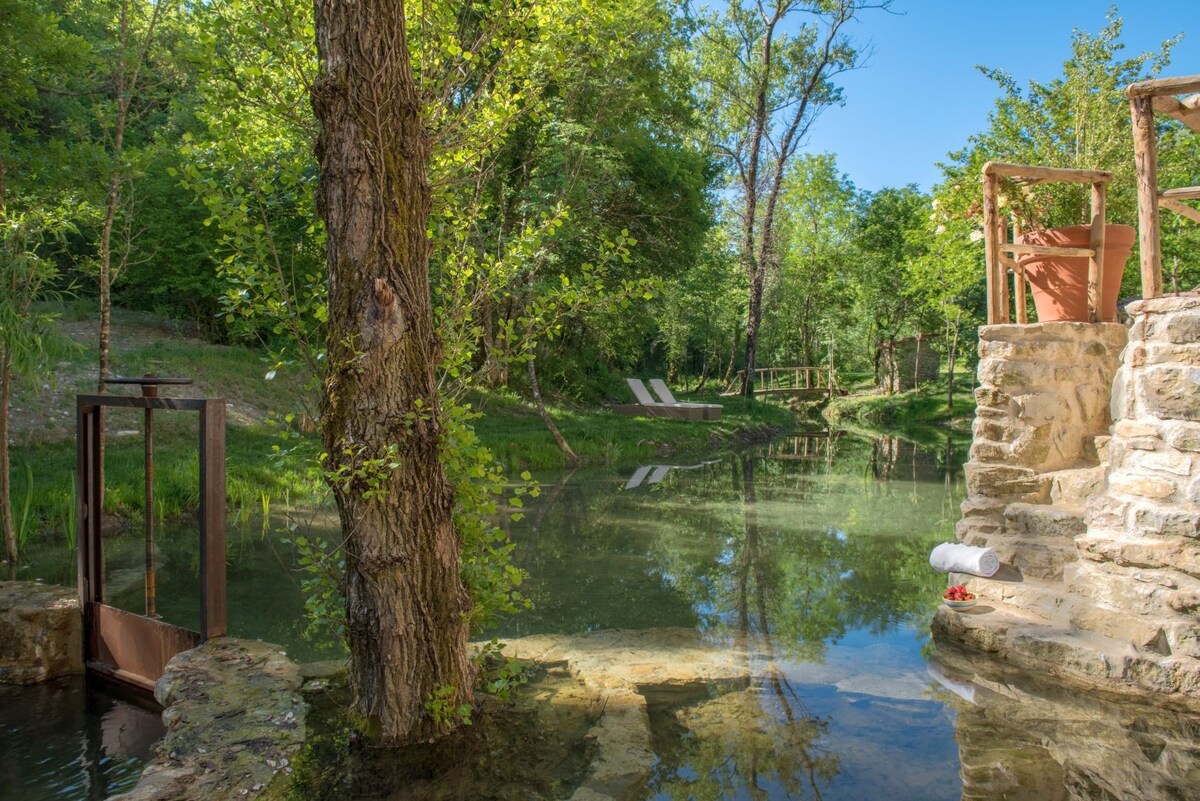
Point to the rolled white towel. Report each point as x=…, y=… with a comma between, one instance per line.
x=953, y=557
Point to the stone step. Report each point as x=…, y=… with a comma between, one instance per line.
x=1065, y=651
x=1005, y=481
x=1148, y=635
x=1073, y=487
x=1036, y=557
x=1043, y=600
x=1035, y=520
x=1127, y=550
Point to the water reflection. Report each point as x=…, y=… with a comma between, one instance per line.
x=652, y=474
x=756, y=737
x=63, y=740
x=815, y=550
x=1024, y=738
x=814, y=545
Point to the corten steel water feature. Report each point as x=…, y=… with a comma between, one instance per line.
x=125, y=646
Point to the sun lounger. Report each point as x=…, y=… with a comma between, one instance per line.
x=712, y=410
x=653, y=474
x=649, y=407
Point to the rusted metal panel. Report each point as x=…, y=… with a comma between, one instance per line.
x=133, y=647
x=122, y=645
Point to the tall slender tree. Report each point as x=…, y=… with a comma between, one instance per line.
x=134, y=39
x=764, y=88
x=406, y=605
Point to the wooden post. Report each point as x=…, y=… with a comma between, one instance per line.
x=1096, y=262
x=1146, y=161
x=995, y=278
x=1001, y=239
x=1019, y=279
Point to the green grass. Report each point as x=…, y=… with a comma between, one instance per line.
x=44, y=423
x=519, y=439
x=913, y=412
x=251, y=470
x=45, y=449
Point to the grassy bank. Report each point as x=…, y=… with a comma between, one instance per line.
x=43, y=425
x=43, y=452
x=519, y=439
x=906, y=412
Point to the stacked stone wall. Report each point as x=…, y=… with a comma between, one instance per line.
x=1102, y=579
x=910, y=362
x=1140, y=564
x=1042, y=400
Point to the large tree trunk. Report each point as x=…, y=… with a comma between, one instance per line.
x=753, y=318
x=405, y=601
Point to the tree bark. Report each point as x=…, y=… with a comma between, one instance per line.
x=572, y=458
x=406, y=603
x=951, y=359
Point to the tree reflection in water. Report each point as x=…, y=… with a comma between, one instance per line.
x=749, y=740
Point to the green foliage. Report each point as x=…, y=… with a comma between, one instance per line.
x=500, y=677
x=480, y=485
x=324, y=570
x=444, y=711
x=28, y=338
x=812, y=296
x=1079, y=119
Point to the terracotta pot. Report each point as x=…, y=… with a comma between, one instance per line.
x=1059, y=283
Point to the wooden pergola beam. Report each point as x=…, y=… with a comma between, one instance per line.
x=1186, y=110
x=1041, y=175
x=1181, y=209
x=1164, y=86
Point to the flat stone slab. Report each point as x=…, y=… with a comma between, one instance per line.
x=41, y=632
x=234, y=719
x=1082, y=658
x=622, y=665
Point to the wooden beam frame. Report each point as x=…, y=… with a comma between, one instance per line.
x=997, y=245
x=1146, y=98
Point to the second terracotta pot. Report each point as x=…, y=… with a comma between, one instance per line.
x=1059, y=283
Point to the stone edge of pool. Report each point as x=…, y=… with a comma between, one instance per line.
x=41, y=632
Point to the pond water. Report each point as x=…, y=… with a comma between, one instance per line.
x=816, y=546
x=65, y=739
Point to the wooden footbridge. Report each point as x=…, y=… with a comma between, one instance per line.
x=810, y=382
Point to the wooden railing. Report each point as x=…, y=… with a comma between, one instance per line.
x=1146, y=98
x=997, y=244
x=810, y=445
x=783, y=380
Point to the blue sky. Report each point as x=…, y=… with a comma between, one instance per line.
x=920, y=95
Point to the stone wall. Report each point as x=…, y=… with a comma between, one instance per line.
x=235, y=720
x=1042, y=400
x=41, y=632
x=1140, y=559
x=1101, y=575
